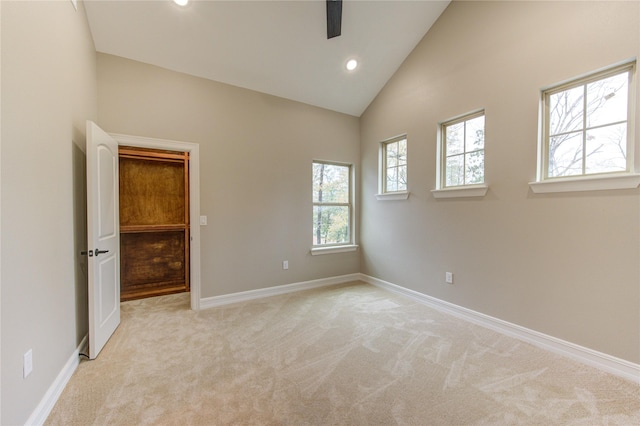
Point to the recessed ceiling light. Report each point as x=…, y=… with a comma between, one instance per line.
x=181, y=2
x=352, y=64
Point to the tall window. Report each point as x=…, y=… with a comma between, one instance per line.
x=394, y=165
x=585, y=125
x=332, y=204
x=463, y=150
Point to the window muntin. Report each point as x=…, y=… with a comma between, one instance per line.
x=586, y=125
x=332, y=204
x=394, y=165
x=463, y=151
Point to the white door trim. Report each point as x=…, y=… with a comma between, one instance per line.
x=194, y=199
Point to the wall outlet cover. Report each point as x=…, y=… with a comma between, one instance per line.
x=448, y=277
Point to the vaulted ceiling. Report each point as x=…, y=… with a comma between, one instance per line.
x=275, y=47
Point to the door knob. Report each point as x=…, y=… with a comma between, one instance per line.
x=99, y=252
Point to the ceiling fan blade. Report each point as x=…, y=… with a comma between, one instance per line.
x=334, y=18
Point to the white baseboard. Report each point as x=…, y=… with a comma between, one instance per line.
x=602, y=361
x=50, y=398
x=210, y=302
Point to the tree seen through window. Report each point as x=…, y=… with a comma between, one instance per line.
x=331, y=204
x=587, y=127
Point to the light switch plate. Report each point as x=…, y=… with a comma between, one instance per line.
x=203, y=220
x=27, y=366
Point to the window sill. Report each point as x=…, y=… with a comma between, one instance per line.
x=461, y=191
x=591, y=183
x=333, y=249
x=393, y=196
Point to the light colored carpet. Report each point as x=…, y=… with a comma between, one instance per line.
x=344, y=355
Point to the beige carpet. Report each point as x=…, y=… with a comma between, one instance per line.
x=344, y=355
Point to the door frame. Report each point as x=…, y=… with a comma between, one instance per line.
x=194, y=199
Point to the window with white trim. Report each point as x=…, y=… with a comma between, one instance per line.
x=586, y=126
x=462, y=151
x=393, y=170
x=332, y=204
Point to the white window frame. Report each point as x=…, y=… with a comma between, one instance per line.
x=456, y=191
x=627, y=179
x=338, y=247
x=383, y=194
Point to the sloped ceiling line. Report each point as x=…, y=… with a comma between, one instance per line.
x=275, y=47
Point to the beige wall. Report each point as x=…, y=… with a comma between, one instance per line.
x=48, y=91
x=255, y=168
x=562, y=264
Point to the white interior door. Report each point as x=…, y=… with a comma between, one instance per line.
x=103, y=222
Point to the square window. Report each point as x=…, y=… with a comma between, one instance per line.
x=394, y=165
x=585, y=124
x=462, y=151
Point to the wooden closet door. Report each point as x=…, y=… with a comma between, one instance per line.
x=154, y=222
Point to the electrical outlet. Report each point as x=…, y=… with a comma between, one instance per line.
x=27, y=366
x=448, y=277
x=285, y=264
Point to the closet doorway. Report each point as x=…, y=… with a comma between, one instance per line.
x=154, y=222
